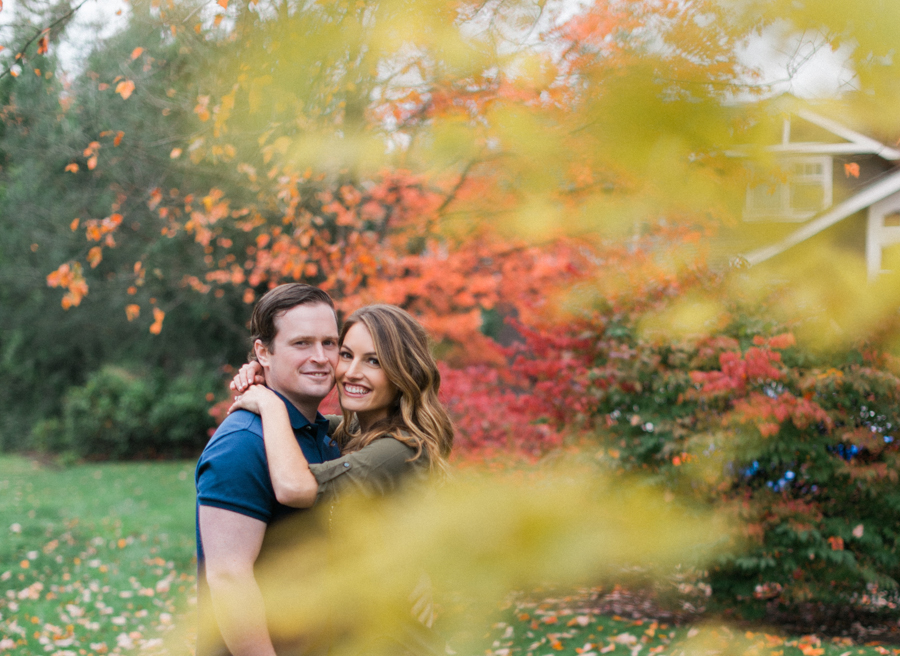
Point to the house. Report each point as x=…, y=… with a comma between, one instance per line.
x=826, y=178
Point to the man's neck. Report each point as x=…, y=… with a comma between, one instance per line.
x=308, y=409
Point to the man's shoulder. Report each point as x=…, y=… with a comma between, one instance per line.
x=239, y=426
x=238, y=421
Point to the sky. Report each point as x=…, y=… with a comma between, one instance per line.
x=808, y=69
x=95, y=20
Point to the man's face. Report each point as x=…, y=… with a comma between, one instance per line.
x=300, y=361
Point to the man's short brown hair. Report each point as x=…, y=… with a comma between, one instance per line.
x=277, y=301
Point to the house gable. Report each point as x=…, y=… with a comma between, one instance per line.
x=825, y=173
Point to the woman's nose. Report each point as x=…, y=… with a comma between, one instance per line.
x=352, y=370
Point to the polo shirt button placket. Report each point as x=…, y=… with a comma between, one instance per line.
x=346, y=465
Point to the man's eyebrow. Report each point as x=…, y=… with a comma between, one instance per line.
x=296, y=338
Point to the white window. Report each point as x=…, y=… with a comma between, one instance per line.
x=801, y=188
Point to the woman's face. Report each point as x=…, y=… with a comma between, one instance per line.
x=363, y=387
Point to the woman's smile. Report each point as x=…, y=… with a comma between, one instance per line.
x=356, y=390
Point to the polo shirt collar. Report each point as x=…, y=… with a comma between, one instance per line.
x=298, y=420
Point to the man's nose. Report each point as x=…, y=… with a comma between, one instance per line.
x=319, y=354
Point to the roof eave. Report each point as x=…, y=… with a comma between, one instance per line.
x=860, y=201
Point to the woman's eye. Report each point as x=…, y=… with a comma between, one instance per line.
x=345, y=355
x=374, y=362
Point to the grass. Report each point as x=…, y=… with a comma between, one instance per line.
x=99, y=559
x=566, y=626
x=95, y=559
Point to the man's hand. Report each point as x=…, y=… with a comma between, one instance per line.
x=249, y=374
x=231, y=544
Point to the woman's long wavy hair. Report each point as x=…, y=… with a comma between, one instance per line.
x=415, y=417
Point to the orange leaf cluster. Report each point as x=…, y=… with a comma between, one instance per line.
x=91, y=153
x=737, y=370
x=202, y=108
x=768, y=413
x=97, y=229
x=69, y=276
x=95, y=256
x=158, y=316
x=125, y=88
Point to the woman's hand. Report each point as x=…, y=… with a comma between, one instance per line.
x=249, y=374
x=254, y=399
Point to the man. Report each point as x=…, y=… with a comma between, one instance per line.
x=295, y=339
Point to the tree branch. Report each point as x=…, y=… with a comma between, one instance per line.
x=38, y=34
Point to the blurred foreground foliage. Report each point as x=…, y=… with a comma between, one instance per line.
x=473, y=539
x=102, y=555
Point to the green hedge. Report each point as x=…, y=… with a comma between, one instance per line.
x=119, y=414
x=802, y=449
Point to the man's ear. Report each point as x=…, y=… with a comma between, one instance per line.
x=262, y=353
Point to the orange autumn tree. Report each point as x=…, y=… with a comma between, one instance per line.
x=366, y=155
x=471, y=169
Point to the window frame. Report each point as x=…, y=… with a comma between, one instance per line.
x=783, y=209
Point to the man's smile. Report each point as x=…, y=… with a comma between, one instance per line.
x=316, y=374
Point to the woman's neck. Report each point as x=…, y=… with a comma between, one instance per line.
x=368, y=419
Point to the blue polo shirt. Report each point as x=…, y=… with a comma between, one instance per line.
x=233, y=471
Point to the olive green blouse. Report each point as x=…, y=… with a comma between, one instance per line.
x=375, y=470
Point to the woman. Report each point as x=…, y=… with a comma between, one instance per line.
x=393, y=424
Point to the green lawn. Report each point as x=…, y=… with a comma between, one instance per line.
x=95, y=559
x=99, y=559
x=567, y=626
